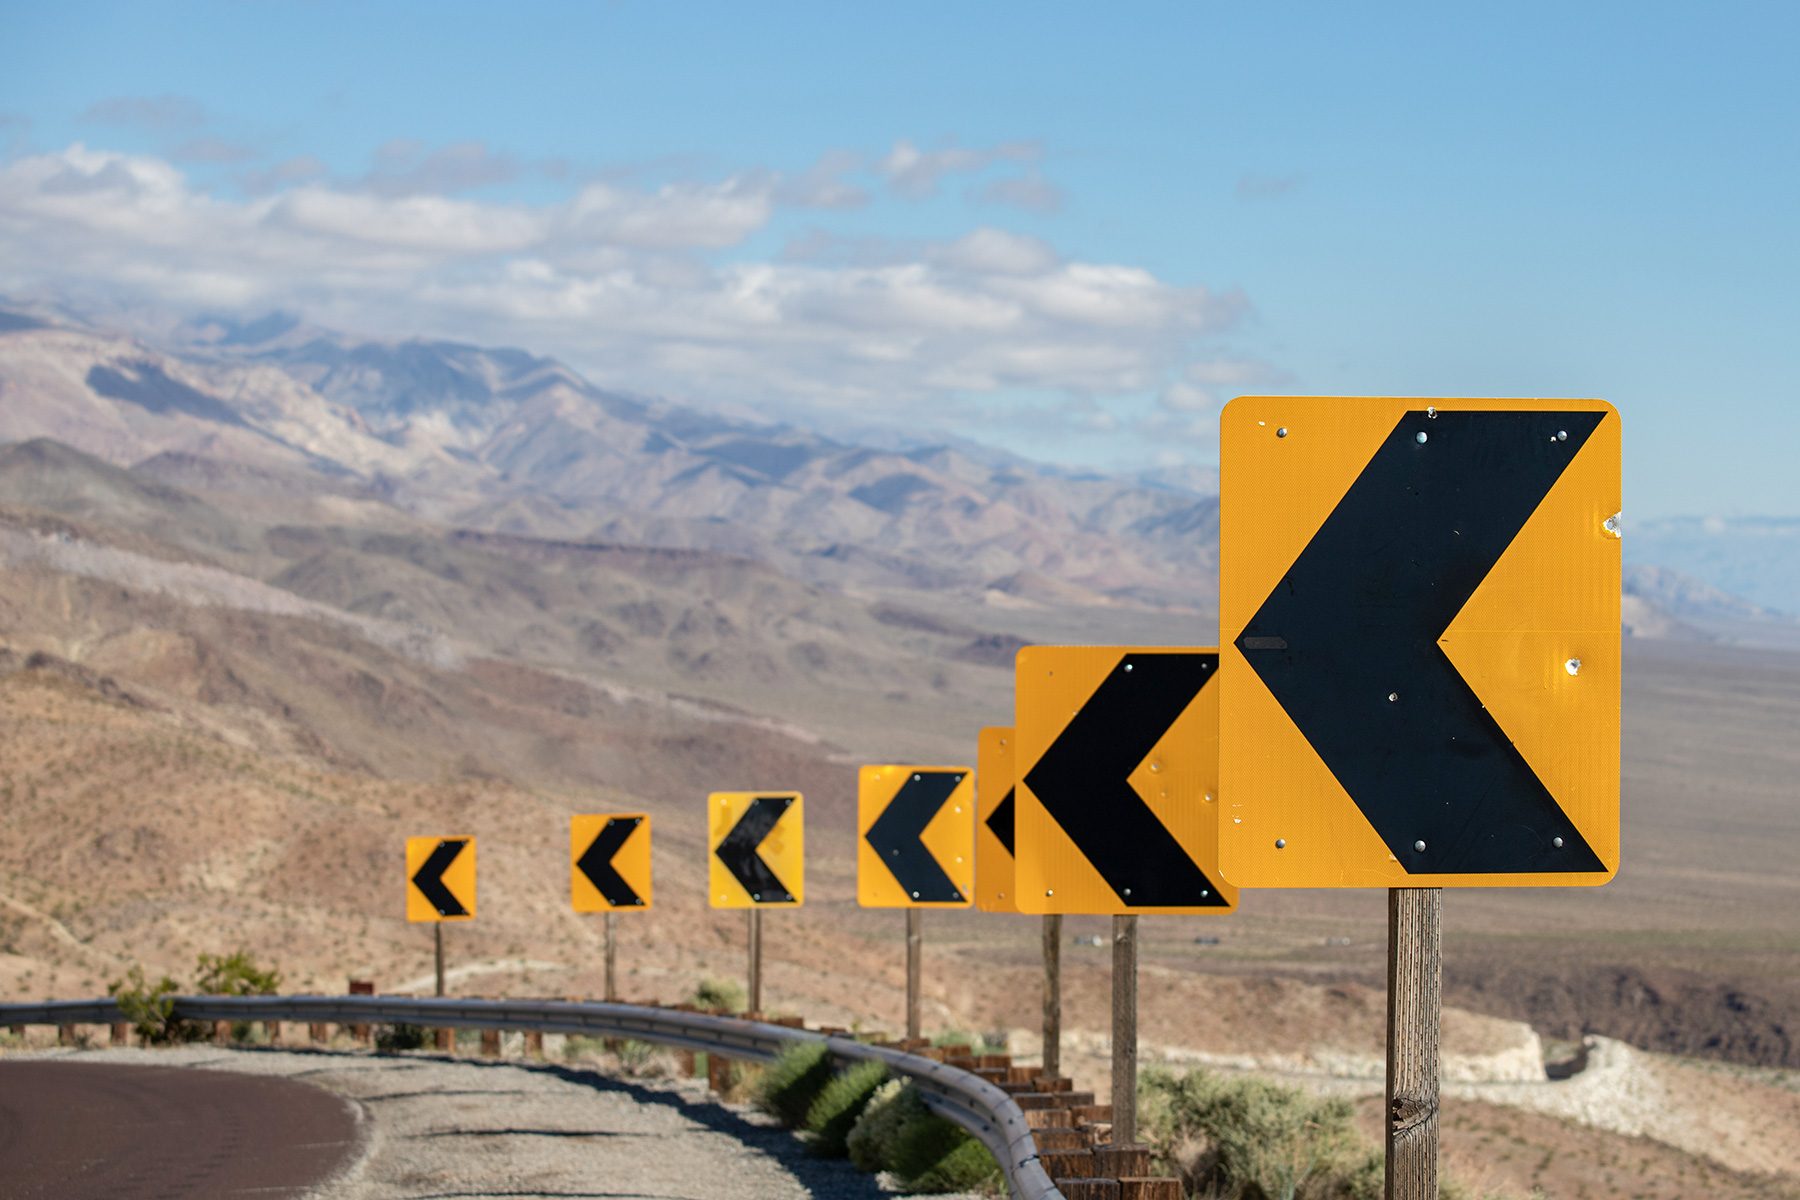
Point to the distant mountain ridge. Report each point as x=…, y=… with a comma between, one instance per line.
x=507, y=440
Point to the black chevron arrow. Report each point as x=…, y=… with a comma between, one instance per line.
x=429, y=878
x=895, y=835
x=596, y=862
x=1083, y=782
x=1348, y=642
x=737, y=850
x=1001, y=820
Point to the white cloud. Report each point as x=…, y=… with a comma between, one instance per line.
x=627, y=282
x=914, y=173
x=1031, y=192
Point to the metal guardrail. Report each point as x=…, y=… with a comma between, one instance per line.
x=988, y=1113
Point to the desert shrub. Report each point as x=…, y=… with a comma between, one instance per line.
x=150, y=1007
x=389, y=1038
x=935, y=1155
x=1249, y=1139
x=235, y=974
x=718, y=996
x=791, y=1083
x=993, y=1042
x=833, y=1115
x=871, y=1140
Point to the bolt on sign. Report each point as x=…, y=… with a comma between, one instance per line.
x=758, y=855
x=440, y=879
x=994, y=809
x=915, y=837
x=609, y=862
x=1117, y=781
x=1419, y=601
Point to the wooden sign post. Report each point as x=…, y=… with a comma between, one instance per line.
x=610, y=928
x=1124, y=1029
x=754, y=999
x=1414, y=976
x=915, y=948
x=1053, y=994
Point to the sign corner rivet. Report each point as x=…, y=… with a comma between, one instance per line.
x=1557, y=842
x=1282, y=432
x=1419, y=845
x=1281, y=843
x=1420, y=437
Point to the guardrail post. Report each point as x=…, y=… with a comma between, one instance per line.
x=121, y=1033
x=272, y=1031
x=534, y=1043
x=490, y=1043
x=444, y=1039
x=316, y=1032
x=363, y=1033
x=65, y=1035
x=221, y=1035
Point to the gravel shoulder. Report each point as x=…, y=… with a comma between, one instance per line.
x=443, y=1127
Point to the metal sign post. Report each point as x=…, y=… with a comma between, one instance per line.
x=437, y=931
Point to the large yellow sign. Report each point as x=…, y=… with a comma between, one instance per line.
x=1419, y=605
x=915, y=843
x=758, y=857
x=609, y=862
x=1116, y=781
x=994, y=811
x=440, y=879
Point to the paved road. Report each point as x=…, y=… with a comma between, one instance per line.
x=73, y=1130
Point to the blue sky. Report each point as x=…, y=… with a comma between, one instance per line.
x=1068, y=231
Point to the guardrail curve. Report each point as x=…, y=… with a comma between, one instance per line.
x=988, y=1113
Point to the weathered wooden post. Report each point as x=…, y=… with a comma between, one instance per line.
x=1414, y=980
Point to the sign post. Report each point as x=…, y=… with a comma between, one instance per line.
x=1117, y=794
x=1419, y=603
x=915, y=850
x=440, y=887
x=609, y=871
x=758, y=861
x=1053, y=994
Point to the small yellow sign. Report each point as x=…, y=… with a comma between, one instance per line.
x=1116, y=781
x=994, y=812
x=440, y=879
x=1419, y=605
x=609, y=862
x=915, y=837
x=758, y=857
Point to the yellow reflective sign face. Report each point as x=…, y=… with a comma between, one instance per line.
x=995, y=807
x=758, y=857
x=1117, y=781
x=609, y=862
x=440, y=879
x=915, y=844
x=1419, y=605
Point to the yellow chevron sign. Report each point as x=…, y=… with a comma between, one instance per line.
x=1419, y=603
x=994, y=810
x=758, y=857
x=916, y=837
x=1116, y=781
x=609, y=862
x=440, y=879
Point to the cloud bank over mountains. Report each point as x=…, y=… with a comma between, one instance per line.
x=667, y=287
